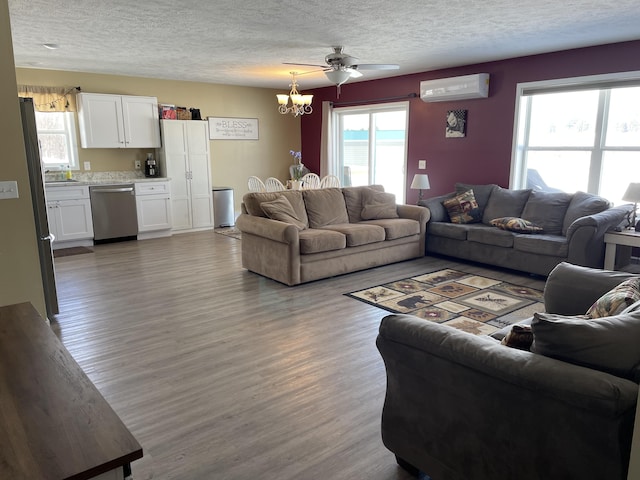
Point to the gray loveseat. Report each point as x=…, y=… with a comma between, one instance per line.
x=462, y=407
x=573, y=228
x=298, y=236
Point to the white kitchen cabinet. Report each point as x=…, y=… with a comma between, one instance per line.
x=118, y=121
x=69, y=214
x=184, y=158
x=153, y=205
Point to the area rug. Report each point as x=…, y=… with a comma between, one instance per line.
x=66, y=252
x=229, y=232
x=473, y=303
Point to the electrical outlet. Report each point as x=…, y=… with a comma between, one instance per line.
x=138, y=165
x=422, y=164
x=87, y=166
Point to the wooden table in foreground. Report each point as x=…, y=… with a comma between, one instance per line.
x=629, y=238
x=54, y=423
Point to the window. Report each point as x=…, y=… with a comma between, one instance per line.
x=57, y=137
x=579, y=134
x=371, y=146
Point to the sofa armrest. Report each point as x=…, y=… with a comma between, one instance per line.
x=586, y=236
x=414, y=212
x=572, y=289
x=434, y=204
x=265, y=227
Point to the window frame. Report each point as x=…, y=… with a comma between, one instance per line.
x=522, y=118
x=69, y=132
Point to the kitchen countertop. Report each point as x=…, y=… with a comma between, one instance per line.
x=67, y=183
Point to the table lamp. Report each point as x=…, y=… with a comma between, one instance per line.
x=421, y=182
x=633, y=195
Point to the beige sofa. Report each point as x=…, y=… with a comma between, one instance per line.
x=300, y=236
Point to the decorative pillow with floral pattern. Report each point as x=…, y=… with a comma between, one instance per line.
x=616, y=300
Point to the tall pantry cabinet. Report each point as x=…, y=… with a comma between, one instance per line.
x=185, y=160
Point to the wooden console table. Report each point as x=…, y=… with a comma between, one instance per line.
x=54, y=423
x=629, y=238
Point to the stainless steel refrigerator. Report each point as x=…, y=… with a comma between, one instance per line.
x=36, y=181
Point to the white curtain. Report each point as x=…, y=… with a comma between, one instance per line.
x=328, y=160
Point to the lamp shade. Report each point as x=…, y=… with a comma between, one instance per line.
x=632, y=194
x=338, y=77
x=420, y=181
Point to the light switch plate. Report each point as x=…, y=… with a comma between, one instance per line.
x=8, y=189
x=422, y=164
x=87, y=166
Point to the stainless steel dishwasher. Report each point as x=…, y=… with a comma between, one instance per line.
x=113, y=208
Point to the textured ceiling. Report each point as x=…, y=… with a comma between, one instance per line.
x=242, y=42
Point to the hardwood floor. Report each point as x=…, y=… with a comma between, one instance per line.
x=222, y=374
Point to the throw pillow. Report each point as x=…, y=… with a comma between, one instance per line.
x=520, y=337
x=518, y=225
x=616, y=300
x=376, y=205
x=281, y=209
x=463, y=208
x=608, y=344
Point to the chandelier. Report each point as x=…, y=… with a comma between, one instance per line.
x=300, y=104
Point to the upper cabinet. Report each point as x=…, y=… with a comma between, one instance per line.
x=118, y=121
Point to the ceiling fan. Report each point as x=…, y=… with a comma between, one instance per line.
x=342, y=66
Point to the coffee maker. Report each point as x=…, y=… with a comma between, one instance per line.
x=150, y=166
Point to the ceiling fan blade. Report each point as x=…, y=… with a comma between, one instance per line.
x=376, y=66
x=305, y=64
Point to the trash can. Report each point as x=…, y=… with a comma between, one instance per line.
x=223, y=214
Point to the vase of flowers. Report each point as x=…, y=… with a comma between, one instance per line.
x=297, y=172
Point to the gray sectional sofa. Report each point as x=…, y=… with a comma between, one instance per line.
x=573, y=228
x=298, y=236
x=460, y=406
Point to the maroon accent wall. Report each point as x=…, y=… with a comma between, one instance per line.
x=484, y=155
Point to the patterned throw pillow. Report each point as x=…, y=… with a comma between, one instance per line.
x=616, y=300
x=463, y=208
x=515, y=224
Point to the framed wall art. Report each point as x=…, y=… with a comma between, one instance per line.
x=231, y=128
x=456, y=124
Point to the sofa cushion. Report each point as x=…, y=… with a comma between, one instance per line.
x=581, y=205
x=504, y=202
x=463, y=208
x=315, y=240
x=325, y=206
x=608, y=344
x=617, y=299
x=358, y=233
x=252, y=201
x=377, y=205
x=552, y=245
x=547, y=209
x=491, y=236
x=454, y=231
x=396, y=227
x=514, y=224
x=481, y=192
x=353, y=200
x=281, y=209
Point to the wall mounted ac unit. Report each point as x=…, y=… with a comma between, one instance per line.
x=455, y=88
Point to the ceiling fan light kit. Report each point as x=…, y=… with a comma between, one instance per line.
x=300, y=104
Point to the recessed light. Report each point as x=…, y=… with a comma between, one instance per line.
x=51, y=46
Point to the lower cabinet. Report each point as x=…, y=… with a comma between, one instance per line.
x=153, y=204
x=69, y=213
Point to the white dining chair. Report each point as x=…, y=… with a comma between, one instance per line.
x=272, y=184
x=330, y=181
x=310, y=181
x=256, y=185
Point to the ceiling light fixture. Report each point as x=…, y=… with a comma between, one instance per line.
x=300, y=104
x=338, y=77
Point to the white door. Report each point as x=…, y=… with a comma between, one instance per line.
x=177, y=168
x=140, y=115
x=100, y=120
x=199, y=167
